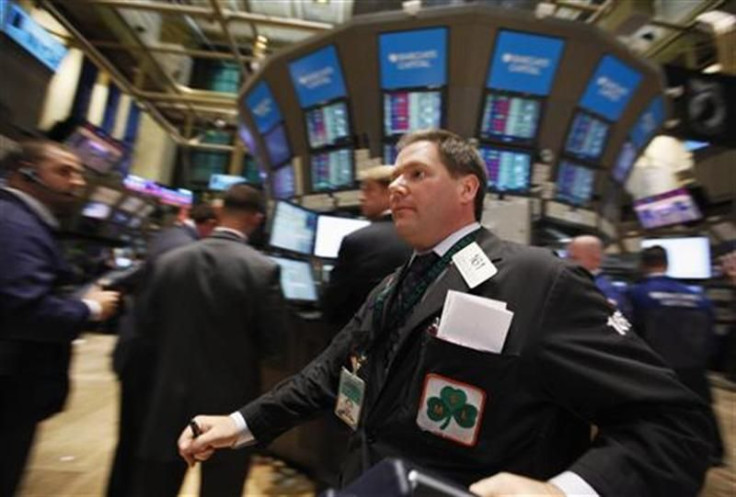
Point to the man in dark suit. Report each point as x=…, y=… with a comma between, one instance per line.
x=519, y=404
x=211, y=311
x=37, y=320
x=132, y=359
x=367, y=255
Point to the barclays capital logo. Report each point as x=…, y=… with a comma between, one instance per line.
x=263, y=108
x=317, y=78
x=422, y=59
x=525, y=64
x=611, y=89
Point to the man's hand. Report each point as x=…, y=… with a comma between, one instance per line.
x=217, y=432
x=503, y=484
x=108, y=301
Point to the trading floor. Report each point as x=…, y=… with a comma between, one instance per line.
x=72, y=455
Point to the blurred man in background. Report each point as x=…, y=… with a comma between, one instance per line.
x=367, y=255
x=37, y=320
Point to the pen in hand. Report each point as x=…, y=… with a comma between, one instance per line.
x=196, y=431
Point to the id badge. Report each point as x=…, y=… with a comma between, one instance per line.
x=350, y=395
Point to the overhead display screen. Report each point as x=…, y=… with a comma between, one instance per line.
x=26, y=32
x=96, y=210
x=263, y=107
x=508, y=170
x=524, y=63
x=587, y=137
x=673, y=207
x=221, y=182
x=413, y=58
x=575, y=183
x=317, y=77
x=624, y=162
x=332, y=170
x=611, y=87
x=327, y=125
x=97, y=152
x=649, y=121
x=284, y=185
x=330, y=232
x=687, y=257
x=277, y=145
x=509, y=118
x=293, y=228
x=406, y=111
x=297, y=282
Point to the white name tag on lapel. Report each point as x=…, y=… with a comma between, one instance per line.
x=474, y=265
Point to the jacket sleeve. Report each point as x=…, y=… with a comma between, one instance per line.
x=272, y=317
x=652, y=430
x=338, y=293
x=29, y=305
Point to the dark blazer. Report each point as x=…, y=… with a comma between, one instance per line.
x=169, y=239
x=212, y=310
x=37, y=321
x=366, y=257
x=563, y=367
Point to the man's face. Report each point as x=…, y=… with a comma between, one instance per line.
x=427, y=203
x=62, y=180
x=373, y=199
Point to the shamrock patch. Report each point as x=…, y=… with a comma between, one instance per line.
x=451, y=409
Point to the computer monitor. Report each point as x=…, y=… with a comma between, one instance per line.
x=688, y=257
x=327, y=125
x=96, y=210
x=293, y=228
x=624, y=162
x=508, y=170
x=575, y=183
x=96, y=152
x=510, y=118
x=587, y=137
x=330, y=232
x=284, y=184
x=297, y=281
x=332, y=170
x=673, y=207
x=277, y=145
x=221, y=182
x=406, y=111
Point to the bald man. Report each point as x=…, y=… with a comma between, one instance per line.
x=587, y=251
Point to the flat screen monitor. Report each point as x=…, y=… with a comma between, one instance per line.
x=96, y=210
x=332, y=170
x=673, y=207
x=221, y=182
x=277, y=145
x=510, y=118
x=508, y=170
x=687, y=257
x=587, y=136
x=95, y=151
x=575, y=183
x=330, y=232
x=414, y=58
x=327, y=125
x=297, y=281
x=293, y=228
x=317, y=77
x=284, y=185
x=405, y=111
x=625, y=161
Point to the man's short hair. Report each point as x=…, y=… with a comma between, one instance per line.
x=29, y=152
x=201, y=213
x=379, y=174
x=458, y=155
x=242, y=197
x=655, y=256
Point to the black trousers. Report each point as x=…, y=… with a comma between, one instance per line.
x=17, y=431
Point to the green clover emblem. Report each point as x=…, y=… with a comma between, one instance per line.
x=452, y=403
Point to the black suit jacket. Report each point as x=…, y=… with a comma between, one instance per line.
x=366, y=257
x=563, y=367
x=211, y=309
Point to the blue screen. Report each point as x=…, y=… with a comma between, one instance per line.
x=624, y=162
x=327, y=125
x=508, y=170
x=263, y=107
x=610, y=88
x=649, y=121
x=587, y=137
x=413, y=58
x=222, y=182
x=284, y=185
x=277, y=145
x=406, y=111
x=30, y=35
x=575, y=183
x=509, y=118
x=331, y=170
x=317, y=77
x=524, y=62
x=293, y=228
x=297, y=281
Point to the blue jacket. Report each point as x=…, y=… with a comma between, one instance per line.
x=613, y=294
x=37, y=323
